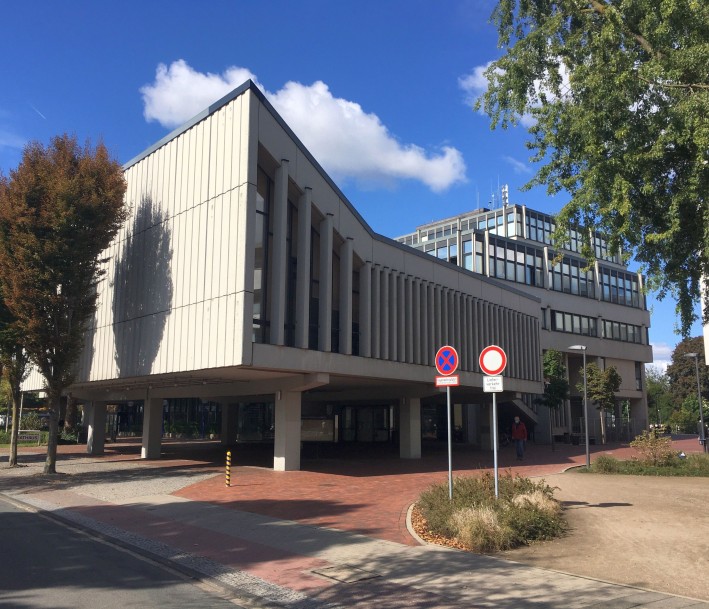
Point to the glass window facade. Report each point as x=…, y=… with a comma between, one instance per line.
x=627, y=333
x=571, y=276
x=574, y=324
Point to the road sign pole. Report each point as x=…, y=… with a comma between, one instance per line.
x=495, y=443
x=450, y=448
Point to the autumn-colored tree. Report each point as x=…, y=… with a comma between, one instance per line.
x=617, y=96
x=602, y=385
x=556, y=385
x=59, y=210
x=13, y=362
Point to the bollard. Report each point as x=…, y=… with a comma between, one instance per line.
x=227, y=481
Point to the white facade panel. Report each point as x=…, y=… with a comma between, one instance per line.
x=173, y=272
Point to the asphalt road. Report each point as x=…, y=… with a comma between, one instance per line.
x=46, y=564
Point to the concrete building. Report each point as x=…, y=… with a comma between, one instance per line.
x=601, y=308
x=244, y=277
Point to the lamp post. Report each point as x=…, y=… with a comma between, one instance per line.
x=582, y=348
x=702, y=434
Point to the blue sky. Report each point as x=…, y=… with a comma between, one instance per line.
x=379, y=91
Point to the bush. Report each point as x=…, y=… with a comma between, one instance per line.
x=31, y=420
x=607, y=465
x=690, y=465
x=526, y=511
x=653, y=449
x=480, y=529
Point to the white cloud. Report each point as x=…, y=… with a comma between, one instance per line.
x=475, y=84
x=179, y=92
x=518, y=166
x=662, y=355
x=349, y=142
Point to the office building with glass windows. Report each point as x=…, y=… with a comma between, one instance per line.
x=600, y=306
x=247, y=292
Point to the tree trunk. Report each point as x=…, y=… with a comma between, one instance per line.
x=16, y=397
x=50, y=465
x=603, y=426
x=71, y=414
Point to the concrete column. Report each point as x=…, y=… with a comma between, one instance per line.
x=404, y=313
x=471, y=423
x=468, y=333
x=393, y=316
x=346, y=297
x=445, y=317
x=524, y=221
x=486, y=253
x=384, y=315
x=302, y=286
x=365, y=310
x=457, y=336
x=325, y=309
x=230, y=419
x=286, y=455
x=152, y=428
x=491, y=423
x=424, y=327
x=376, y=310
x=414, y=330
x=546, y=275
x=410, y=428
x=431, y=321
x=278, y=263
x=438, y=319
x=95, y=421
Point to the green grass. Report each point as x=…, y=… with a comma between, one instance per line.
x=692, y=465
x=525, y=512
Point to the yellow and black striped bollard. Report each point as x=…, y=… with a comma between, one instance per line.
x=227, y=481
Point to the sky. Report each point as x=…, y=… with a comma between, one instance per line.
x=381, y=92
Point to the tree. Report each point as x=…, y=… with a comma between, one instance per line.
x=682, y=371
x=59, y=210
x=602, y=385
x=659, y=395
x=618, y=92
x=556, y=385
x=685, y=418
x=13, y=361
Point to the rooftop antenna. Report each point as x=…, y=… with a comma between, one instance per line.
x=505, y=195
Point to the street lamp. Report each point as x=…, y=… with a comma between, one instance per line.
x=702, y=434
x=582, y=348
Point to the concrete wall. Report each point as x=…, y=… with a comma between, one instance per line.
x=175, y=292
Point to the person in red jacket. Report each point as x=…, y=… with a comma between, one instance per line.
x=519, y=435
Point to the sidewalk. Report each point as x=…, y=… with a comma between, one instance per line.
x=333, y=535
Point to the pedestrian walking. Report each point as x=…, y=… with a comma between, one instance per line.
x=519, y=435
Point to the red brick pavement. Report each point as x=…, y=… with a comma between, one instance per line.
x=370, y=494
x=366, y=490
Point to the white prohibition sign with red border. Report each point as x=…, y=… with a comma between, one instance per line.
x=493, y=360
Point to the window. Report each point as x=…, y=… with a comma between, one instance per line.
x=628, y=333
x=573, y=324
